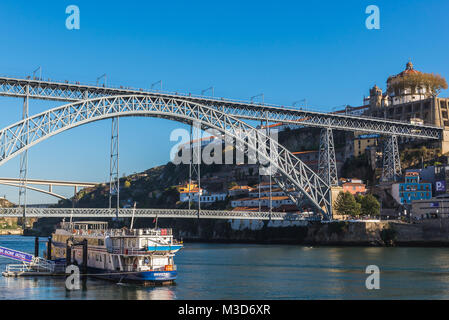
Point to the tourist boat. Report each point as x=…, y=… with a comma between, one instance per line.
x=125, y=255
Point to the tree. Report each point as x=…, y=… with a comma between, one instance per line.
x=232, y=184
x=347, y=205
x=370, y=205
x=434, y=83
x=127, y=184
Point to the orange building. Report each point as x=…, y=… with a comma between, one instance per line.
x=354, y=187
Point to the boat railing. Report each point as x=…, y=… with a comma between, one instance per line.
x=18, y=268
x=132, y=252
x=140, y=232
x=116, y=232
x=37, y=265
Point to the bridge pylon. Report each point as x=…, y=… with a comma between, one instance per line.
x=114, y=179
x=327, y=163
x=23, y=171
x=391, y=160
x=195, y=162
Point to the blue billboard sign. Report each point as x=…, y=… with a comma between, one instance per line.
x=16, y=255
x=434, y=204
x=440, y=186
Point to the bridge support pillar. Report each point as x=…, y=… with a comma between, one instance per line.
x=24, y=161
x=36, y=246
x=195, y=162
x=49, y=249
x=114, y=180
x=327, y=163
x=68, y=252
x=391, y=160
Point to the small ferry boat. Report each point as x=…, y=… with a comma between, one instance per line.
x=144, y=256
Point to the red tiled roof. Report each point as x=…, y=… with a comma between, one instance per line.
x=252, y=209
x=353, y=184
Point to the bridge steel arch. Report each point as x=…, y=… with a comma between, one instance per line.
x=291, y=171
x=53, y=194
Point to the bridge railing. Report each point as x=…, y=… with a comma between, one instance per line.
x=151, y=213
x=68, y=85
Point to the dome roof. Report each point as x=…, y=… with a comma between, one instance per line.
x=408, y=71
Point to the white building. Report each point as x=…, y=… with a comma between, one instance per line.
x=212, y=197
x=264, y=202
x=205, y=197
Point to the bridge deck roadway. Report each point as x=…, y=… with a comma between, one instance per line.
x=69, y=92
x=50, y=182
x=145, y=213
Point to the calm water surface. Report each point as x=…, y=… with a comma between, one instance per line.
x=241, y=271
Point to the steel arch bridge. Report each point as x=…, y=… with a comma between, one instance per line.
x=292, y=172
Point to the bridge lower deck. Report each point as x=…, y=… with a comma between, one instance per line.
x=151, y=213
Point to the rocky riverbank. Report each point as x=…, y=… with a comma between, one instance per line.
x=8, y=232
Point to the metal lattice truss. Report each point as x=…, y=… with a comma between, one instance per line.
x=114, y=180
x=23, y=171
x=57, y=120
x=149, y=213
x=195, y=162
x=327, y=163
x=73, y=92
x=391, y=159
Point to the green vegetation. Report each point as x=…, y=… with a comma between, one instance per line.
x=388, y=235
x=232, y=184
x=347, y=204
x=370, y=205
x=338, y=227
x=8, y=223
x=432, y=82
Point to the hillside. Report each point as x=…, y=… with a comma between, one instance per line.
x=156, y=187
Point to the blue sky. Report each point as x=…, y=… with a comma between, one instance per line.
x=288, y=50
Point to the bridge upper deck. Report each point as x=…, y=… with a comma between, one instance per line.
x=71, y=92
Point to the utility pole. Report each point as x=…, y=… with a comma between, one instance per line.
x=294, y=104
x=258, y=95
x=205, y=90
x=40, y=73
x=102, y=76
x=155, y=83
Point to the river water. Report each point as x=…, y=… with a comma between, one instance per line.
x=242, y=271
